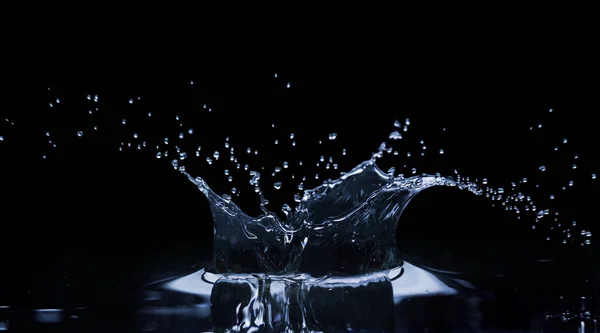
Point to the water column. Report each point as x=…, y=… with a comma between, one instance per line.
x=262, y=303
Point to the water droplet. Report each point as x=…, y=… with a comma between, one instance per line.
x=441, y=152
x=131, y=101
x=158, y=155
x=1, y=138
x=209, y=160
x=332, y=136
x=542, y=168
x=288, y=85
x=277, y=185
x=135, y=136
x=191, y=131
x=593, y=176
x=80, y=133
x=395, y=135
x=181, y=135
x=216, y=155
x=286, y=209
x=123, y=121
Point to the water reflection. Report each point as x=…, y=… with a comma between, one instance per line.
x=415, y=281
x=408, y=299
x=366, y=303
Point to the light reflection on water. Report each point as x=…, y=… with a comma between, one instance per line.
x=414, y=282
x=408, y=282
x=424, y=300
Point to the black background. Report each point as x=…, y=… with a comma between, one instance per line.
x=90, y=222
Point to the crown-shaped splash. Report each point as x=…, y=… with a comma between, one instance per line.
x=346, y=226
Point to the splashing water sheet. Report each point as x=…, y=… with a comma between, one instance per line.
x=330, y=261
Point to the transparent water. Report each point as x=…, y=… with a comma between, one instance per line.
x=336, y=252
x=329, y=261
x=332, y=264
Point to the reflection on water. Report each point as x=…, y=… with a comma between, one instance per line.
x=41, y=320
x=300, y=303
x=406, y=299
x=414, y=282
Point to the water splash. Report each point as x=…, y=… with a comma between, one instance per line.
x=514, y=196
x=355, y=214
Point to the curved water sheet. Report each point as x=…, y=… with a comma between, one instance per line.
x=344, y=227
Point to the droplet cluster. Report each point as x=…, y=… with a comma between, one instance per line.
x=288, y=175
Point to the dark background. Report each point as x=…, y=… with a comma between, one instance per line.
x=91, y=222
